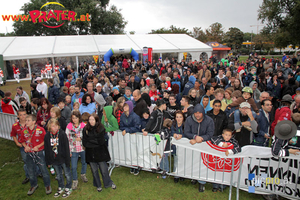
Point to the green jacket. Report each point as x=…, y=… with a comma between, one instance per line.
x=112, y=124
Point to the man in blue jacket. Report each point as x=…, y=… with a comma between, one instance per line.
x=77, y=96
x=198, y=128
x=189, y=85
x=53, y=92
x=263, y=121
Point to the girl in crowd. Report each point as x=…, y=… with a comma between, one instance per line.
x=227, y=98
x=96, y=151
x=194, y=100
x=57, y=154
x=87, y=105
x=56, y=114
x=118, y=110
x=44, y=113
x=74, y=134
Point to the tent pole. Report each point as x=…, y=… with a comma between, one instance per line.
x=77, y=63
x=29, y=69
x=53, y=64
x=160, y=56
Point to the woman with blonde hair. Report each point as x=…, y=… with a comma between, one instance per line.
x=56, y=114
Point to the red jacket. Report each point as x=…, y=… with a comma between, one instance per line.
x=40, y=117
x=283, y=113
x=9, y=106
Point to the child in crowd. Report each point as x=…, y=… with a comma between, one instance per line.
x=74, y=134
x=68, y=101
x=118, y=109
x=128, y=95
x=246, y=97
x=24, y=104
x=145, y=119
x=57, y=154
x=153, y=93
x=76, y=106
x=85, y=117
x=227, y=141
x=165, y=134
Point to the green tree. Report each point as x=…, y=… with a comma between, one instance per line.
x=199, y=34
x=248, y=36
x=282, y=18
x=172, y=29
x=234, y=38
x=215, y=32
x=102, y=20
x=131, y=32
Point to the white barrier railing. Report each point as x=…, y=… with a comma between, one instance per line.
x=6, y=122
x=254, y=169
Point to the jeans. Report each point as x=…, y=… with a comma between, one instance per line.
x=74, y=161
x=33, y=159
x=237, y=118
x=164, y=163
x=104, y=172
x=216, y=185
x=60, y=177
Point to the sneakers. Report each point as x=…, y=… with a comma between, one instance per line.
x=176, y=180
x=136, y=172
x=164, y=174
x=59, y=192
x=193, y=182
x=132, y=170
x=74, y=184
x=99, y=189
x=26, y=180
x=32, y=190
x=48, y=190
x=248, y=128
x=84, y=178
x=215, y=189
x=201, y=187
x=67, y=193
x=113, y=186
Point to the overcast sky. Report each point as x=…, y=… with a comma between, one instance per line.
x=143, y=16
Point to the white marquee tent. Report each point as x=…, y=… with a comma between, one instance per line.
x=14, y=48
x=37, y=47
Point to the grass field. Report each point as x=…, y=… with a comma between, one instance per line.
x=144, y=186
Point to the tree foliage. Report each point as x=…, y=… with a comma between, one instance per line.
x=282, y=18
x=172, y=29
x=234, y=37
x=215, y=32
x=199, y=34
x=103, y=20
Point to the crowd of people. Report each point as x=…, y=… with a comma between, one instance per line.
x=229, y=102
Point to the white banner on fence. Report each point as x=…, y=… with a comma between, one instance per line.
x=260, y=171
x=136, y=150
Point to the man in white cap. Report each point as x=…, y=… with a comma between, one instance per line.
x=41, y=87
x=247, y=125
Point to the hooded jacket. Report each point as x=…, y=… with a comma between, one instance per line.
x=78, y=99
x=53, y=94
x=192, y=128
x=208, y=107
x=139, y=107
x=112, y=123
x=132, y=122
x=256, y=92
x=189, y=85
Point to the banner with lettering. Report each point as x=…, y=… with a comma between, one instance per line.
x=255, y=167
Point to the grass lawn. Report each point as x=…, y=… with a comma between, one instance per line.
x=144, y=186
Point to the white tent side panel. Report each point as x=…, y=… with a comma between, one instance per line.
x=75, y=46
x=4, y=43
x=30, y=47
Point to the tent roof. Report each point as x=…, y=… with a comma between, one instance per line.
x=29, y=47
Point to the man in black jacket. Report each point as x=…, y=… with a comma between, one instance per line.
x=140, y=103
x=219, y=117
x=132, y=83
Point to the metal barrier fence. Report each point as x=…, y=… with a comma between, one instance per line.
x=254, y=169
x=6, y=122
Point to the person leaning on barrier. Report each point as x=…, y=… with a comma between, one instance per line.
x=198, y=128
x=155, y=122
x=284, y=131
